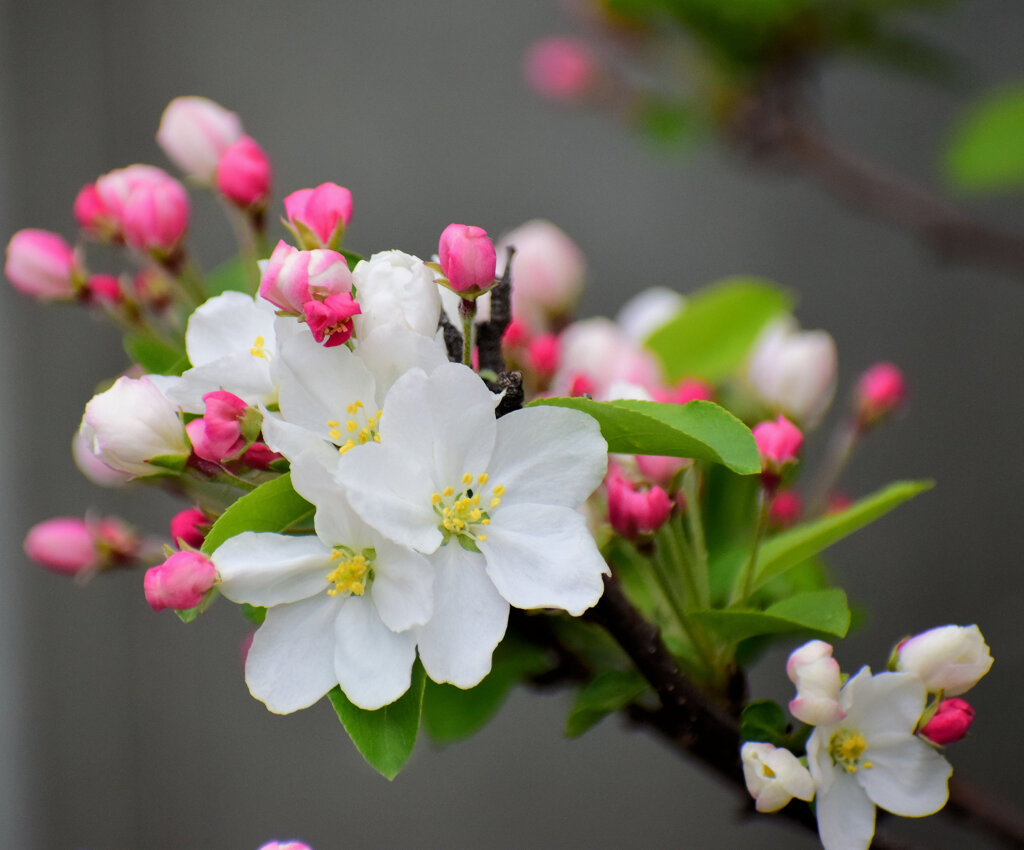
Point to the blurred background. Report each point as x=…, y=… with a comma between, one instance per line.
x=121, y=728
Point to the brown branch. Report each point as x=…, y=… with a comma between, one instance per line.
x=981, y=811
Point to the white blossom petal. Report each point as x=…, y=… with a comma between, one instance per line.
x=906, y=778
x=389, y=351
x=846, y=817
x=226, y=324
x=271, y=569
x=402, y=586
x=540, y=556
x=292, y=441
x=291, y=661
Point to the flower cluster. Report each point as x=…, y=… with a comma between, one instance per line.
x=877, y=739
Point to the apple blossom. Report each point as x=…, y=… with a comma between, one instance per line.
x=774, y=776
x=180, y=582
x=244, y=174
x=871, y=757
x=948, y=659
x=492, y=502
x=318, y=217
x=816, y=675
x=467, y=259
x=291, y=277
x=396, y=288
x=194, y=132
x=41, y=264
x=949, y=724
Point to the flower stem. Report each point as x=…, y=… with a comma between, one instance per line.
x=467, y=311
x=663, y=575
x=746, y=583
x=698, y=545
x=841, y=446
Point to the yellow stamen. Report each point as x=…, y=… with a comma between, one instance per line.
x=258, y=348
x=483, y=478
x=467, y=478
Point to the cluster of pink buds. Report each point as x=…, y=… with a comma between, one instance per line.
x=635, y=509
x=76, y=546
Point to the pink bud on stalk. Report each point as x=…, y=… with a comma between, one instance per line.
x=318, y=217
x=244, y=174
x=467, y=259
x=779, y=443
x=180, y=582
x=218, y=435
x=785, y=508
x=194, y=133
x=93, y=215
x=816, y=675
x=880, y=391
x=41, y=264
x=634, y=509
x=542, y=355
x=189, y=527
x=950, y=723
x=292, y=277
x=73, y=546
x=155, y=217
x=560, y=69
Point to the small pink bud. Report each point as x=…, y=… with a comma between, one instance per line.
x=260, y=456
x=93, y=216
x=660, y=469
x=292, y=277
x=244, y=174
x=194, y=133
x=950, y=722
x=319, y=216
x=41, y=264
x=330, y=320
x=880, y=391
x=778, y=442
x=560, y=68
x=64, y=545
x=104, y=288
x=189, y=527
x=633, y=509
x=687, y=390
x=155, y=216
x=467, y=258
x=542, y=355
x=218, y=434
x=581, y=385
x=180, y=582
x=516, y=335
x=785, y=508
x=837, y=503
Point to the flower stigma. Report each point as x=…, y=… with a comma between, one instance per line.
x=259, y=348
x=846, y=747
x=353, y=573
x=359, y=428
x=462, y=514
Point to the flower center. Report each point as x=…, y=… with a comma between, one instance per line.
x=259, y=348
x=465, y=513
x=359, y=428
x=846, y=747
x=353, y=573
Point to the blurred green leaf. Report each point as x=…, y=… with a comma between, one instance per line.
x=156, y=356
x=604, y=694
x=765, y=722
x=273, y=506
x=385, y=737
x=986, y=149
x=824, y=611
x=698, y=429
x=713, y=334
x=229, y=276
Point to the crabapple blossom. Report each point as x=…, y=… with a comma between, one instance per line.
x=952, y=719
x=492, y=502
x=318, y=217
x=180, y=582
x=330, y=320
x=41, y=264
x=194, y=132
x=225, y=428
x=871, y=757
x=396, y=288
x=948, y=659
x=816, y=675
x=244, y=174
x=291, y=278
x=774, y=776
x=467, y=259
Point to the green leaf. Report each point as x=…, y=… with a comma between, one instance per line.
x=986, y=149
x=229, y=276
x=255, y=614
x=699, y=429
x=713, y=334
x=385, y=737
x=824, y=611
x=606, y=693
x=156, y=356
x=764, y=721
x=794, y=546
x=451, y=714
x=273, y=506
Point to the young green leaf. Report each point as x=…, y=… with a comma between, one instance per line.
x=985, y=151
x=156, y=356
x=713, y=335
x=273, y=506
x=385, y=737
x=699, y=429
x=609, y=691
x=820, y=611
x=228, y=276
x=764, y=721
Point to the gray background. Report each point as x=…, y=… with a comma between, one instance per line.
x=120, y=728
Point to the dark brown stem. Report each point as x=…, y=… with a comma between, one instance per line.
x=985, y=813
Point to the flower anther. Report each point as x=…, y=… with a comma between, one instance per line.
x=846, y=747
x=354, y=572
x=360, y=428
x=464, y=514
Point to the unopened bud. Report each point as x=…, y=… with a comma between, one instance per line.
x=292, y=277
x=41, y=264
x=244, y=174
x=194, y=133
x=950, y=723
x=785, y=508
x=180, y=582
x=948, y=659
x=467, y=259
x=155, y=216
x=318, y=217
x=218, y=435
x=189, y=527
x=330, y=320
x=816, y=675
x=880, y=391
x=561, y=69
x=634, y=509
x=63, y=544
x=779, y=443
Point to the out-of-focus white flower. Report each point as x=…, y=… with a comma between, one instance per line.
x=194, y=132
x=596, y=354
x=648, y=310
x=950, y=659
x=873, y=758
x=815, y=673
x=774, y=776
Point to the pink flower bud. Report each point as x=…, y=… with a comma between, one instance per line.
x=516, y=335
x=180, y=582
x=880, y=391
x=319, y=216
x=194, y=133
x=660, y=469
x=950, y=659
x=156, y=216
x=815, y=673
x=93, y=216
x=189, y=527
x=292, y=277
x=467, y=258
x=635, y=510
x=244, y=174
x=115, y=187
x=218, y=434
x=950, y=722
x=542, y=355
x=687, y=390
x=778, y=442
x=330, y=320
x=260, y=456
x=285, y=845
x=560, y=68
x=64, y=545
x=41, y=264
x=785, y=508
x=104, y=288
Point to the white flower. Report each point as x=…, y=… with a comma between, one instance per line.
x=341, y=605
x=950, y=659
x=815, y=673
x=598, y=351
x=493, y=502
x=774, y=776
x=872, y=758
x=396, y=288
x=794, y=371
x=648, y=310
x=131, y=424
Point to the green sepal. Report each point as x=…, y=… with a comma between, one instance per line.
x=764, y=721
x=172, y=463
x=823, y=612
x=255, y=614
x=273, y=506
x=190, y=614
x=385, y=737
x=605, y=694
x=155, y=355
